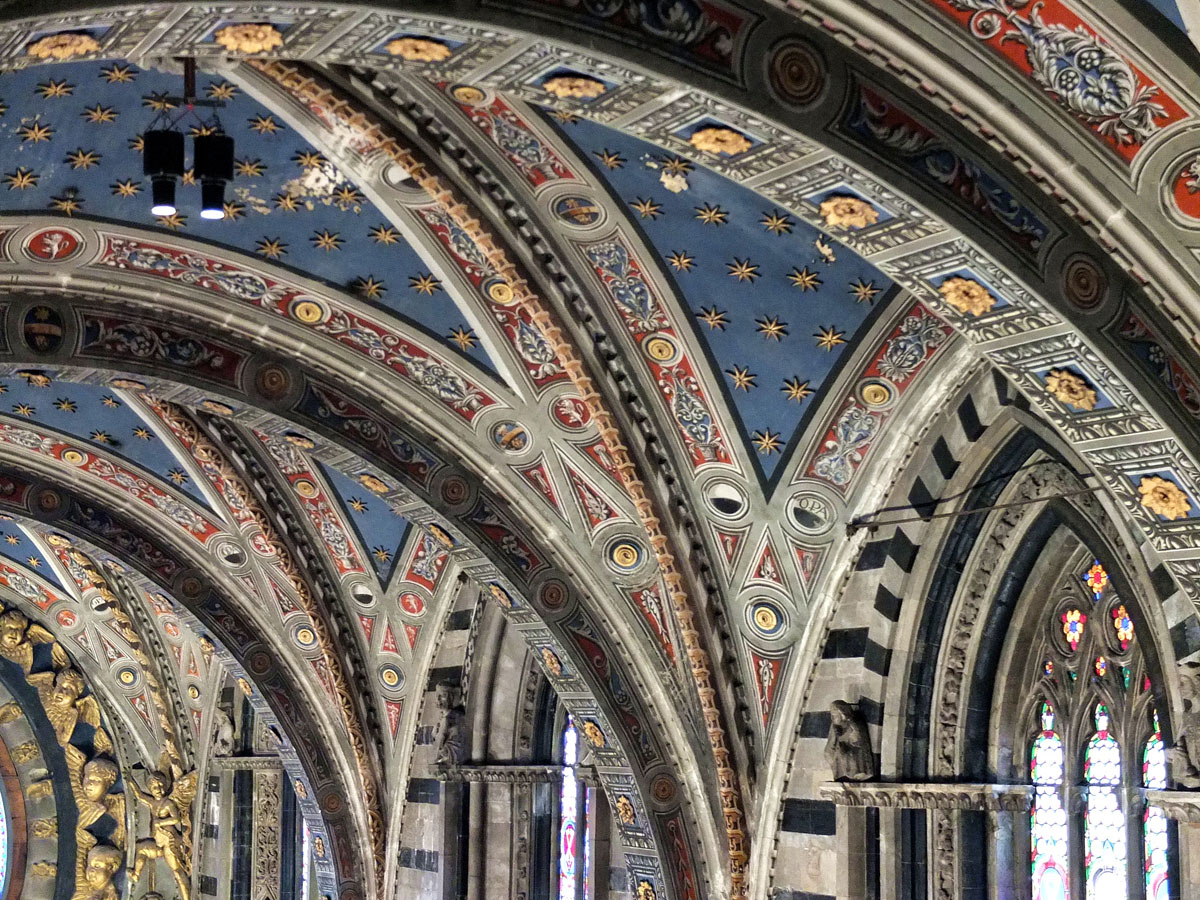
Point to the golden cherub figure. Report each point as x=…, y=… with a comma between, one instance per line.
x=19, y=636
x=169, y=797
x=103, y=863
x=62, y=698
x=92, y=783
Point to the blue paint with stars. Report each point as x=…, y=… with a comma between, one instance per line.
x=67, y=131
x=380, y=530
x=98, y=419
x=18, y=548
x=760, y=324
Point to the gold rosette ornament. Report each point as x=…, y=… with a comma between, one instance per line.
x=67, y=45
x=720, y=140
x=249, y=37
x=416, y=49
x=573, y=87
x=842, y=211
x=1071, y=389
x=1164, y=498
x=967, y=295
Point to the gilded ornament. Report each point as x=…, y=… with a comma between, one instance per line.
x=19, y=637
x=501, y=292
x=101, y=867
x=967, y=295
x=24, y=753
x=418, y=49
x=1164, y=498
x=44, y=869
x=67, y=45
x=720, y=140
x=594, y=735
x=625, y=814
x=552, y=662
x=62, y=698
x=249, y=37
x=168, y=796
x=45, y=828
x=301, y=790
x=645, y=891
x=844, y=211
x=246, y=687
x=10, y=712
x=573, y=87
x=501, y=596
x=371, y=483
x=1070, y=389
x=467, y=94
x=319, y=846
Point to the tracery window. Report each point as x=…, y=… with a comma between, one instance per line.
x=1095, y=720
x=575, y=822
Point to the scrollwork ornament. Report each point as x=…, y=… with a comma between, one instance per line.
x=720, y=141
x=1071, y=389
x=573, y=87
x=66, y=45
x=1164, y=498
x=416, y=49
x=844, y=211
x=967, y=295
x=249, y=37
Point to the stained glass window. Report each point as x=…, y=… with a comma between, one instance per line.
x=1049, y=818
x=1073, y=621
x=1096, y=580
x=1104, y=822
x=568, y=813
x=1154, y=776
x=3, y=848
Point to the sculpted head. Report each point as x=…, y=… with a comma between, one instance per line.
x=103, y=862
x=159, y=784
x=12, y=628
x=99, y=775
x=68, y=686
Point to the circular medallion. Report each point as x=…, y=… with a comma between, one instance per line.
x=412, y=603
x=660, y=349
x=362, y=594
x=331, y=803
x=127, y=675
x=553, y=594
x=310, y=312
x=305, y=637
x=273, y=381
x=42, y=329
x=511, y=437
x=501, y=292
x=260, y=662
x=454, y=489
x=171, y=628
x=74, y=457
x=1083, y=282
x=810, y=513
x=53, y=244
x=580, y=212
x=662, y=788
x=66, y=618
x=766, y=619
x=305, y=488
x=796, y=73
x=876, y=393
x=571, y=412
x=465, y=93
x=390, y=677
x=193, y=692
x=49, y=501
x=726, y=499
x=624, y=555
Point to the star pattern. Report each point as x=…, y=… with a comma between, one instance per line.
x=74, y=144
x=754, y=279
x=373, y=523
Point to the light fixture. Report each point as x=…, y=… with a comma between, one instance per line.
x=214, y=169
x=163, y=152
x=162, y=163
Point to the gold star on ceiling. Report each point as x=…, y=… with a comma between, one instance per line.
x=796, y=389
x=233, y=211
x=202, y=130
x=712, y=317
x=771, y=328
x=828, y=338
x=805, y=279
x=177, y=475
x=326, y=240
x=3, y=107
x=358, y=504
x=110, y=401
x=21, y=179
x=142, y=433
x=464, y=337
x=271, y=248
x=137, y=143
x=68, y=203
x=34, y=562
x=711, y=215
x=287, y=202
x=777, y=223
x=264, y=124
x=250, y=168
x=101, y=437
x=863, y=291
x=646, y=208
x=174, y=221
x=308, y=159
x=157, y=101
x=12, y=539
x=743, y=378
x=99, y=115
x=65, y=404
x=742, y=269
x=52, y=89
x=188, y=176
x=370, y=288
x=424, y=284
x=610, y=159
x=24, y=409
x=83, y=159
x=565, y=116
x=222, y=91
x=676, y=166
x=766, y=441
x=681, y=261
x=383, y=554
x=118, y=74
x=347, y=197
x=385, y=234
x=35, y=133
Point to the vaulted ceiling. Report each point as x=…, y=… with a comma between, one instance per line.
x=624, y=337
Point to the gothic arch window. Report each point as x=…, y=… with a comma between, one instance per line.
x=1094, y=743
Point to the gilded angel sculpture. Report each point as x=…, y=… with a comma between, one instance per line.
x=169, y=797
x=19, y=637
